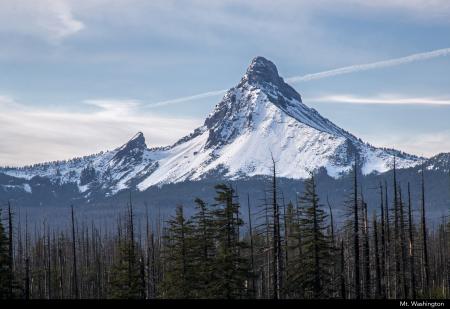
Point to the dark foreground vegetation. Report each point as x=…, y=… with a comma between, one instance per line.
x=281, y=250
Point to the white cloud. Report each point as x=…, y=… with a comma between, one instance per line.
x=425, y=144
x=31, y=135
x=48, y=19
x=382, y=99
x=422, y=139
x=112, y=107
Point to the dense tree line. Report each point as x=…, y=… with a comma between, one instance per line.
x=280, y=250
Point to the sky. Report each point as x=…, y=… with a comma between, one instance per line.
x=81, y=76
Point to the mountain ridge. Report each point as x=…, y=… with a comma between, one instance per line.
x=259, y=117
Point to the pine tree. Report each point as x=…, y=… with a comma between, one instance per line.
x=203, y=249
x=177, y=282
x=126, y=282
x=229, y=268
x=294, y=268
x=316, y=243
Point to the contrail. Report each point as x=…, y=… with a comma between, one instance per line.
x=189, y=98
x=370, y=66
x=325, y=74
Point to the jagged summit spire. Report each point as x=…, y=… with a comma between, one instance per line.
x=263, y=73
x=138, y=136
x=136, y=142
x=262, y=70
x=132, y=151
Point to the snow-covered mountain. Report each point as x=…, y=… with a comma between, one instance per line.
x=262, y=117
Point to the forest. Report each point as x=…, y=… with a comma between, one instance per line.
x=279, y=250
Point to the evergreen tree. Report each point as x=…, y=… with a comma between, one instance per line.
x=126, y=275
x=230, y=269
x=316, y=244
x=125, y=282
x=203, y=249
x=178, y=277
x=294, y=267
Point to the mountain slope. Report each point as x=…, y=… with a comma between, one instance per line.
x=262, y=117
x=259, y=118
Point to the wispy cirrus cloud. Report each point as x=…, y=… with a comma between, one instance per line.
x=52, y=20
x=114, y=107
x=423, y=144
x=30, y=134
x=387, y=99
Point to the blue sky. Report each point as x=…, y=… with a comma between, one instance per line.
x=80, y=76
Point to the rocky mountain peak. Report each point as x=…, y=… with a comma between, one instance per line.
x=262, y=70
x=134, y=147
x=137, y=141
x=263, y=74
